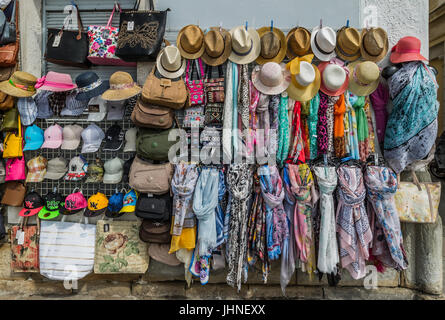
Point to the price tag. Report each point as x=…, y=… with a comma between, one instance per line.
x=149, y=195
x=130, y=26
x=17, y=234
x=56, y=42
x=21, y=239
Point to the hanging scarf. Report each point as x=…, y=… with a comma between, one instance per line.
x=239, y=182
x=351, y=127
x=339, y=127
x=297, y=147
x=227, y=117
x=362, y=127
x=220, y=216
x=312, y=125
x=379, y=100
x=205, y=201
x=322, y=125
x=371, y=138
x=244, y=96
x=283, y=136
x=274, y=108
x=352, y=221
x=328, y=257
x=305, y=110
x=235, y=85
x=262, y=134
x=381, y=184
x=253, y=120
x=330, y=124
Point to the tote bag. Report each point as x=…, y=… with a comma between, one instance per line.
x=25, y=247
x=13, y=144
x=66, y=250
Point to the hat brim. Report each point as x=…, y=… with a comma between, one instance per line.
x=84, y=96
x=51, y=144
x=35, y=177
x=112, y=146
x=9, y=89
x=128, y=209
x=94, y=213
x=186, y=54
x=46, y=214
x=214, y=62
x=56, y=89
x=168, y=74
x=291, y=54
x=123, y=94
x=111, y=214
x=91, y=147
x=112, y=178
x=97, y=116
x=358, y=90
x=397, y=58
x=303, y=94
x=70, y=144
x=29, y=212
x=130, y=147
x=341, y=53
x=283, y=46
x=55, y=175
x=255, y=50
x=261, y=87
x=328, y=91
x=67, y=212
x=321, y=56
x=32, y=146
x=366, y=55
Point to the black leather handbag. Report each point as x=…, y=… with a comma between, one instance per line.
x=154, y=208
x=141, y=33
x=9, y=34
x=68, y=48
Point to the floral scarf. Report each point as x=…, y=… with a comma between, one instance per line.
x=305, y=111
x=253, y=120
x=312, y=125
x=322, y=125
x=274, y=108
x=330, y=124
x=297, y=148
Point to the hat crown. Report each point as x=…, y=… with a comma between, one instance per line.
x=86, y=78
x=334, y=77
x=114, y=166
x=374, y=42
x=326, y=39
x=57, y=164
x=54, y=132
x=307, y=74
x=270, y=45
x=191, y=39
x=409, y=44
x=63, y=78
x=214, y=43
x=349, y=40
x=37, y=164
x=71, y=132
x=241, y=40
x=23, y=78
x=300, y=41
x=92, y=133
x=171, y=58
x=367, y=72
x=121, y=78
x=271, y=74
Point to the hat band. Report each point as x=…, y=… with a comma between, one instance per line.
x=172, y=71
x=356, y=79
x=246, y=53
x=22, y=87
x=90, y=87
x=318, y=47
x=122, y=86
x=408, y=51
x=347, y=54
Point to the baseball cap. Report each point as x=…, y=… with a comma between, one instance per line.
x=77, y=169
x=36, y=169
x=44, y=111
x=129, y=202
x=28, y=110
x=73, y=107
x=54, y=202
x=97, y=109
x=97, y=205
x=71, y=137
x=53, y=137
x=56, y=168
x=114, y=170
x=92, y=138
x=116, y=110
x=115, y=205
x=114, y=138
x=74, y=203
x=34, y=138
x=130, y=140
x=32, y=204
x=95, y=173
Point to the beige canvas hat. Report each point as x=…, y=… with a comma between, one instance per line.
x=190, y=42
x=348, y=44
x=365, y=78
x=273, y=45
x=246, y=45
x=169, y=62
x=122, y=87
x=298, y=42
x=306, y=79
x=374, y=45
x=217, y=46
x=271, y=78
x=323, y=43
x=20, y=85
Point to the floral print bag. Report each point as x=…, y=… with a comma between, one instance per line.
x=102, y=44
x=25, y=247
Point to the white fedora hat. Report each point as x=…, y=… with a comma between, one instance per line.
x=334, y=77
x=271, y=79
x=246, y=45
x=323, y=43
x=306, y=83
x=169, y=62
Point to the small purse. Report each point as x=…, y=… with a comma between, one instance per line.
x=15, y=169
x=145, y=177
x=215, y=88
x=149, y=116
x=9, y=34
x=155, y=208
x=214, y=114
x=194, y=117
x=196, y=93
x=13, y=144
x=14, y=194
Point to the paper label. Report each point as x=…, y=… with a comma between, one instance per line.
x=130, y=26
x=57, y=39
x=149, y=195
x=93, y=108
x=17, y=234
x=21, y=239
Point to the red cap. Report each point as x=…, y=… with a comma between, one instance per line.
x=406, y=50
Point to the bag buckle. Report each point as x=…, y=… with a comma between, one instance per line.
x=165, y=83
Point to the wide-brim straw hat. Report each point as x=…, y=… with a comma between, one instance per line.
x=323, y=88
x=271, y=78
x=190, y=42
x=348, y=44
x=250, y=40
x=216, y=52
x=300, y=93
x=122, y=87
x=20, y=85
x=364, y=78
x=170, y=57
x=272, y=42
x=298, y=42
x=374, y=45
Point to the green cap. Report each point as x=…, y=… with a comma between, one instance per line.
x=53, y=203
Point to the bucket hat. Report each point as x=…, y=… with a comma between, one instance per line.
x=34, y=138
x=74, y=203
x=364, y=78
x=160, y=253
x=53, y=137
x=20, y=85
x=73, y=107
x=77, y=169
x=170, y=63
x=97, y=109
x=334, y=77
x=28, y=110
x=246, y=45
x=190, y=42
x=115, y=205
x=323, y=43
x=122, y=87
x=130, y=140
x=374, y=46
x=298, y=42
x=271, y=78
x=89, y=85
x=129, y=202
x=406, y=50
x=10, y=120
x=217, y=46
x=97, y=205
x=348, y=44
x=71, y=137
x=56, y=168
x=92, y=138
x=116, y=110
x=44, y=110
x=36, y=169
x=306, y=79
x=95, y=172
x=54, y=202
x=114, y=138
x=114, y=170
x=56, y=82
x=273, y=45
x=32, y=204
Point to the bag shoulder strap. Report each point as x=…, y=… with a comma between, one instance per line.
x=13, y=12
x=110, y=20
x=138, y=3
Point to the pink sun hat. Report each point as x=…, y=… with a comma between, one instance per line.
x=53, y=137
x=56, y=82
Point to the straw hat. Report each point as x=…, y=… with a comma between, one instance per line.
x=169, y=62
x=122, y=87
x=323, y=43
x=298, y=42
x=217, y=46
x=190, y=42
x=374, y=46
x=21, y=85
x=348, y=44
x=245, y=45
x=271, y=78
x=306, y=79
x=273, y=45
x=406, y=50
x=334, y=77
x=365, y=78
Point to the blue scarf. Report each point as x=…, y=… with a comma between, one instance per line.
x=220, y=216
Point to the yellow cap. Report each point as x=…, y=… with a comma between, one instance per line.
x=97, y=202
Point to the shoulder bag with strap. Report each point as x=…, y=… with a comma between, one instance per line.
x=9, y=34
x=9, y=52
x=150, y=116
x=13, y=144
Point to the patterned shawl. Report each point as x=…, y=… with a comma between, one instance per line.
x=283, y=136
x=262, y=137
x=274, y=108
x=253, y=120
x=227, y=116
x=330, y=122
x=339, y=127
x=305, y=111
x=322, y=125
x=312, y=125
x=235, y=86
x=244, y=96
x=220, y=216
x=351, y=128
x=297, y=147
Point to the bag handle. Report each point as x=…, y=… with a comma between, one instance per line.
x=13, y=12
x=209, y=71
x=189, y=70
x=110, y=20
x=138, y=3
x=20, y=126
x=428, y=191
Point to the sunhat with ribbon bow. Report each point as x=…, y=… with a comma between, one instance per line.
x=122, y=87
x=20, y=85
x=56, y=82
x=365, y=77
x=334, y=77
x=306, y=78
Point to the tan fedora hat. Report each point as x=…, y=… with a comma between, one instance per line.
x=190, y=42
x=365, y=77
x=348, y=44
x=298, y=42
x=306, y=79
x=20, y=85
x=122, y=87
x=169, y=62
x=273, y=45
x=245, y=45
x=374, y=45
x=217, y=46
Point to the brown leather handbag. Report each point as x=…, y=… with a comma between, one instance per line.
x=149, y=116
x=150, y=178
x=164, y=92
x=6, y=102
x=6, y=72
x=14, y=194
x=9, y=53
x=155, y=232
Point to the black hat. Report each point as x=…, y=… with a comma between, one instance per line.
x=54, y=202
x=32, y=204
x=89, y=85
x=114, y=138
x=127, y=167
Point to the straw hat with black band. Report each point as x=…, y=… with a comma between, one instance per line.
x=169, y=62
x=217, y=46
x=374, y=45
x=246, y=45
x=273, y=45
x=298, y=42
x=323, y=43
x=190, y=42
x=348, y=44
x=20, y=85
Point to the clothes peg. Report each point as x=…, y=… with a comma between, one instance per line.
x=376, y=159
x=271, y=25
x=247, y=25
x=347, y=23
x=321, y=23
x=220, y=27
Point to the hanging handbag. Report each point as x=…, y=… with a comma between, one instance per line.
x=7, y=72
x=418, y=202
x=9, y=52
x=9, y=34
x=155, y=232
x=6, y=101
x=164, y=92
x=13, y=144
x=14, y=194
x=68, y=48
x=149, y=116
x=154, y=145
x=156, y=208
x=141, y=33
x=214, y=88
x=25, y=247
x=196, y=95
x=194, y=117
x=102, y=44
x=15, y=169
x=151, y=178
